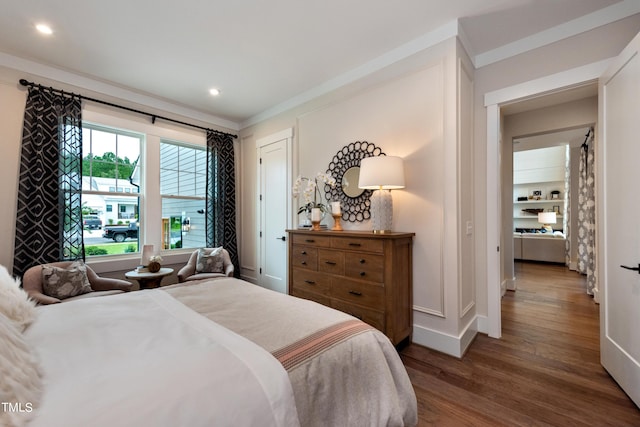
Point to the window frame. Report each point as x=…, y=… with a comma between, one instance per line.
x=150, y=200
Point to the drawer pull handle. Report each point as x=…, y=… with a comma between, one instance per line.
x=355, y=244
x=362, y=261
x=310, y=241
x=311, y=282
x=303, y=253
x=356, y=293
x=330, y=262
x=304, y=263
x=362, y=273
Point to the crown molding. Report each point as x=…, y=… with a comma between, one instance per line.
x=67, y=77
x=571, y=28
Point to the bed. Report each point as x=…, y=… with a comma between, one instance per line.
x=214, y=352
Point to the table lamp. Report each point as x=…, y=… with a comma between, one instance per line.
x=381, y=173
x=546, y=219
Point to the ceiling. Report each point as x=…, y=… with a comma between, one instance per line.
x=261, y=54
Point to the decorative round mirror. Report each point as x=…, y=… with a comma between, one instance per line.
x=349, y=182
x=345, y=169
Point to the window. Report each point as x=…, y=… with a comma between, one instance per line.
x=183, y=191
x=110, y=159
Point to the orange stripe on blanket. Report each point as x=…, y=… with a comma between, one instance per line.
x=301, y=350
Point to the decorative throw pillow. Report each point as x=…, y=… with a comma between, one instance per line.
x=210, y=260
x=67, y=282
x=14, y=301
x=20, y=372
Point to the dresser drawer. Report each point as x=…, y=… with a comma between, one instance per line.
x=304, y=257
x=372, y=317
x=330, y=261
x=311, y=281
x=363, y=293
x=307, y=240
x=358, y=244
x=320, y=299
x=364, y=266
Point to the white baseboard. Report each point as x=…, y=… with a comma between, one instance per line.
x=510, y=285
x=445, y=343
x=249, y=279
x=482, y=324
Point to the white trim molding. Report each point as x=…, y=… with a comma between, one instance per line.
x=449, y=344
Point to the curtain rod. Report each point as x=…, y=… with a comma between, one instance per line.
x=25, y=82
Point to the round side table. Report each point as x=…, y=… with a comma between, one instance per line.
x=148, y=280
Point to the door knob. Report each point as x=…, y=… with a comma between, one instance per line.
x=281, y=238
x=632, y=268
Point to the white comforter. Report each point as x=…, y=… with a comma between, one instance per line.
x=144, y=359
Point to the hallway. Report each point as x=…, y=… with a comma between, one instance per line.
x=545, y=369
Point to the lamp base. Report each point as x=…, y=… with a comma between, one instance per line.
x=381, y=211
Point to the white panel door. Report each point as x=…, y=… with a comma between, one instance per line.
x=619, y=220
x=274, y=194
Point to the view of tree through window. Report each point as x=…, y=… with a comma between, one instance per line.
x=110, y=190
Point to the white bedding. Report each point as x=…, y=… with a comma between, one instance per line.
x=127, y=348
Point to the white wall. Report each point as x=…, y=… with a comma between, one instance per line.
x=413, y=115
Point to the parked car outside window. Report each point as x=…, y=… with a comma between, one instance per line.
x=91, y=222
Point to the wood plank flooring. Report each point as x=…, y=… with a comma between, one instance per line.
x=544, y=371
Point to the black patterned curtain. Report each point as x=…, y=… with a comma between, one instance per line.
x=49, y=208
x=221, y=195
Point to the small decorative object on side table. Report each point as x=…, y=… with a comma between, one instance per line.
x=148, y=280
x=154, y=264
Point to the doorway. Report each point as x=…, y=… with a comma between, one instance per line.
x=541, y=174
x=274, y=154
x=496, y=103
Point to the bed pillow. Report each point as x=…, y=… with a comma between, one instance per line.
x=67, y=282
x=15, y=303
x=210, y=260
x=20, y=372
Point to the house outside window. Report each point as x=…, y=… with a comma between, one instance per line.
x=183, y=192
x=109, y=158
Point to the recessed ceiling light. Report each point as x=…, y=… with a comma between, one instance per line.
x=44, y=29
x=214, y=92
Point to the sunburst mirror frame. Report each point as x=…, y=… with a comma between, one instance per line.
x=355, y=205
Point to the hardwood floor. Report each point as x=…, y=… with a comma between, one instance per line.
x=544, y=371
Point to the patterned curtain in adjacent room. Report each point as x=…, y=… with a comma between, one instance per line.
x=49, y=208
x=566, y=213
x=587, y=214
x=221, y=195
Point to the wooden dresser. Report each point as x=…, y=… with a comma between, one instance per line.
x=366, y=275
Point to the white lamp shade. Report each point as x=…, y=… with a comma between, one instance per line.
x=547, y=217
x=381, y=172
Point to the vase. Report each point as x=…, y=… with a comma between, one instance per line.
x=154, y=267
x=308, y=215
